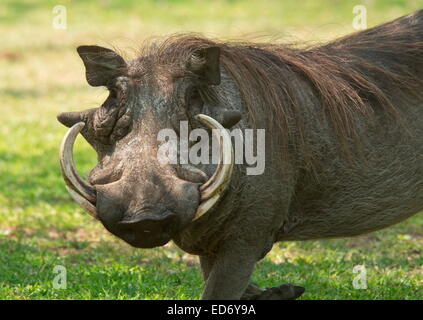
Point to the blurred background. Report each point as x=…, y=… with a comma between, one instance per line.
x=40, y=227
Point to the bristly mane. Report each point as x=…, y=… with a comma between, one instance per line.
x=352, y=75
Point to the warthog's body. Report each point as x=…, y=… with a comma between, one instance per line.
x=344, y=146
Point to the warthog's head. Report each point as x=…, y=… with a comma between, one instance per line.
x=134, y=195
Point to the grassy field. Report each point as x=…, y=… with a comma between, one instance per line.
x=40, y=227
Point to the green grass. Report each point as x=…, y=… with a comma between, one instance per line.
x=40, y=227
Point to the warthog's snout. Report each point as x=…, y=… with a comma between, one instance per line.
x=147, y=215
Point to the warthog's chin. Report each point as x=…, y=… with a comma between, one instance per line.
x=146, y=231
x=145, y=242
x=148, y=244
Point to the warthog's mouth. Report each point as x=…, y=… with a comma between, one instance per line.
x=210, y=192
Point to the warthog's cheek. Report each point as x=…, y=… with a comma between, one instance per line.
x=187, y=200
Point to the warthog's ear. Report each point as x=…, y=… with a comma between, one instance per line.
x=205, y=63
x=101, y=64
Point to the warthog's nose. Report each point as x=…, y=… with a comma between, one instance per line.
x=147, y=230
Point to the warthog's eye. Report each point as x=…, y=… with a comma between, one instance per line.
x=115, y=93
x=113, y=119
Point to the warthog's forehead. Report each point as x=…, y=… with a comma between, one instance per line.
x=148, y=68
x=156, y=83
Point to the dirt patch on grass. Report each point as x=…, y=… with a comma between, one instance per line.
x=364, y=240
x=10, y=56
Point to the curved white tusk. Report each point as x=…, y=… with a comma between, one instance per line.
x=211, y=190
x=69, y=173
x=84, y=203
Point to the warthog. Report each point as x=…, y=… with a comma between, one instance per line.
x=343, y=145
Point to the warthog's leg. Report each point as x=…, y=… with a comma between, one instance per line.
x=253, y=292
x=228, y=274
x=206, y=265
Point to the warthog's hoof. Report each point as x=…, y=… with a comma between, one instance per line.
x=282, y=292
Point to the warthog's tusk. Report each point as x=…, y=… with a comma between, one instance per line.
x=80, y=191
x=211, y=190
x=84, y=203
